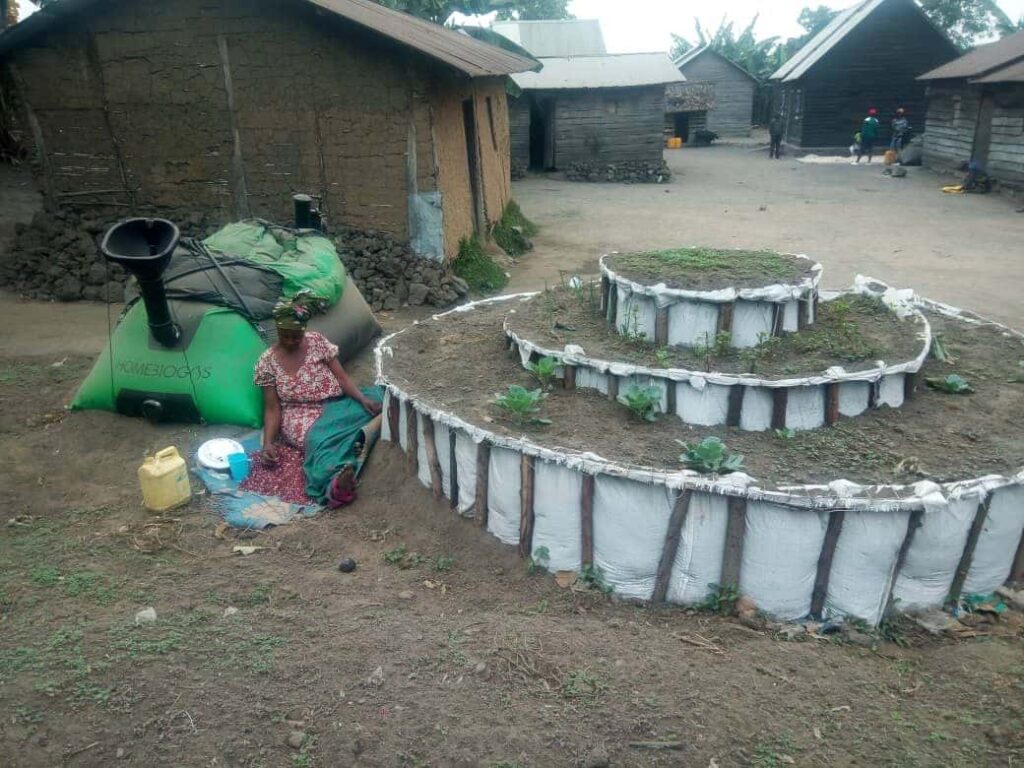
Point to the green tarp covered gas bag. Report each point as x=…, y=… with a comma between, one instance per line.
x=199, y=316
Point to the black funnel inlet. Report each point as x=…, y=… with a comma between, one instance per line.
x=144, y=248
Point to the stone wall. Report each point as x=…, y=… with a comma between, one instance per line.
x=227, y=109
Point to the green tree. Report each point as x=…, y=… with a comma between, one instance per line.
x=967, y=21
x=440, y=10
x=744, y=49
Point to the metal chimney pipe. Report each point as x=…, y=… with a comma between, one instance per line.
x=144, y=248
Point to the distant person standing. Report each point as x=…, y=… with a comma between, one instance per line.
x=900, y=130
x=775, y=134
x=868, y=136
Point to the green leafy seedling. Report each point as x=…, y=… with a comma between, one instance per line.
x=940, y=351
x=785, y=433
x=522, y=404
x=538, y=561
x=710, y=456
x=544, y=371
x=663, y=356
x=642, y=401
x=951, y=384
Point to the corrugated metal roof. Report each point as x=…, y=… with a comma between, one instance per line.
x=572, y=37
x=823, y=42
x=982, y=60
x=620, y=70
x=466, y=54
x=1011, y=74
x=693, y=53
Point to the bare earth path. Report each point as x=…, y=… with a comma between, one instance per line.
x=966, y=250
x=481, y=663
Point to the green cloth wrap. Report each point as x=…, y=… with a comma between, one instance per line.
x=330, y=442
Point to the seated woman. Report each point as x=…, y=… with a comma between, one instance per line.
x=310, y=403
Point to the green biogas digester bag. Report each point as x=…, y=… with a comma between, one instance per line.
x=219, y=296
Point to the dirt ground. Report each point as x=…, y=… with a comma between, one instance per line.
x=480, y=663
x=961, y=249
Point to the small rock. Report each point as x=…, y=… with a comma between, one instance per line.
x=792, y=631
x=406, y=594
x=417, y=294
x=296, y=739
x=346, y=565
x=120, y=753
x=480, y=668
x=597, y=759
x=856, y=637
x=935, y=620
x=376, y=680
x=145, y=616
x=230, y=611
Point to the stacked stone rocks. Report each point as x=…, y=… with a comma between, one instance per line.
x=632, y=172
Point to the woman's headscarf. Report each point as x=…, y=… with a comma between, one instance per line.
x=293, y=314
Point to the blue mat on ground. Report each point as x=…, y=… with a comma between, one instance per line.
x=244, y=509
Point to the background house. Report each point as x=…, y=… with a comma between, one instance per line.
x=594, y=116
x=976, y=111
x=729, y=110
x=869, y=55
x=232, y=106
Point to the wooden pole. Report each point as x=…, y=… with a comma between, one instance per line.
x=780, y=401
x=569, y=380
x=874, y=389
x=411, y=437
x=587, y=520
x=661, y=327
x=526, y=507
x=433, y=461
x=613, y=386
x=828, y=549
x=725, y=313
x=913, y=523
x=668, y=552
x=605, y=290
x=1017, y=571
x=735, y=530
x=394, y=408
x=613, y=304
x=909, y=385
x=483, y=468
x=670, y=397
x=967, y=557
x=736, y=392
x=778, y=318
x=831, y=403
x=453, y=469
x=803, y=318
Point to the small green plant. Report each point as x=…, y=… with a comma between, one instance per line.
x=396, y=556
x=785, y=433
x=581, y=685
x=721, y=599
x=592, y=577
x=642, y=401
x=521, y=404
x=477, y=268
x=544, y=371
x=513, y=230
x=766, y=345
x=710, y=456
x=951, y=384
x=940, y=351
x=630, y=328
x=776, y=754
x=663, y=357
x=444, y=563
x=538, y=560
x=713, y=347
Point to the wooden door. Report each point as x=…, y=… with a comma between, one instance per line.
x=983, y=130
x=473, y=162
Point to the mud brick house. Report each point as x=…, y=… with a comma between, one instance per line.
x=591, y=114
x=869, y=55
x=728, y=109
x=976, y=111
x=231, y=106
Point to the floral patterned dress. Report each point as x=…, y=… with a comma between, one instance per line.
x=303, y=394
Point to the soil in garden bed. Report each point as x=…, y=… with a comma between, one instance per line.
x=851, y=331
x=459, y=362
x=709, y=269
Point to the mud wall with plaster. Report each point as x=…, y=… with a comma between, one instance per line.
x=231, y=108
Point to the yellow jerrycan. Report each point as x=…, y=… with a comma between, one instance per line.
x=164, y=481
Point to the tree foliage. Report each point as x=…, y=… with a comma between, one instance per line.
x=967, y=21
x=440, y=10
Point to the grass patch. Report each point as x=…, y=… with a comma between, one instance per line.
x=581, y=685
x=682, y=265
x=513, y=230
x=479, y=270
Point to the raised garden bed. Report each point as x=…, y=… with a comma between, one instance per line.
x=695, y=300
x=860, y=354
x=906, y=507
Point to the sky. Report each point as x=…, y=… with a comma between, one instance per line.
x=632, y=26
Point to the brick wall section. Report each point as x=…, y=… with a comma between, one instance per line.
x=134, y=97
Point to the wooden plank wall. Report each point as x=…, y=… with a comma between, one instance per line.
x=734, y=93
x=875, y=65
x=1006, y=152
x=609, y=125
x=519, y=127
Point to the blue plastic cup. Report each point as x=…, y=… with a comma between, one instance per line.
x=238, y=466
